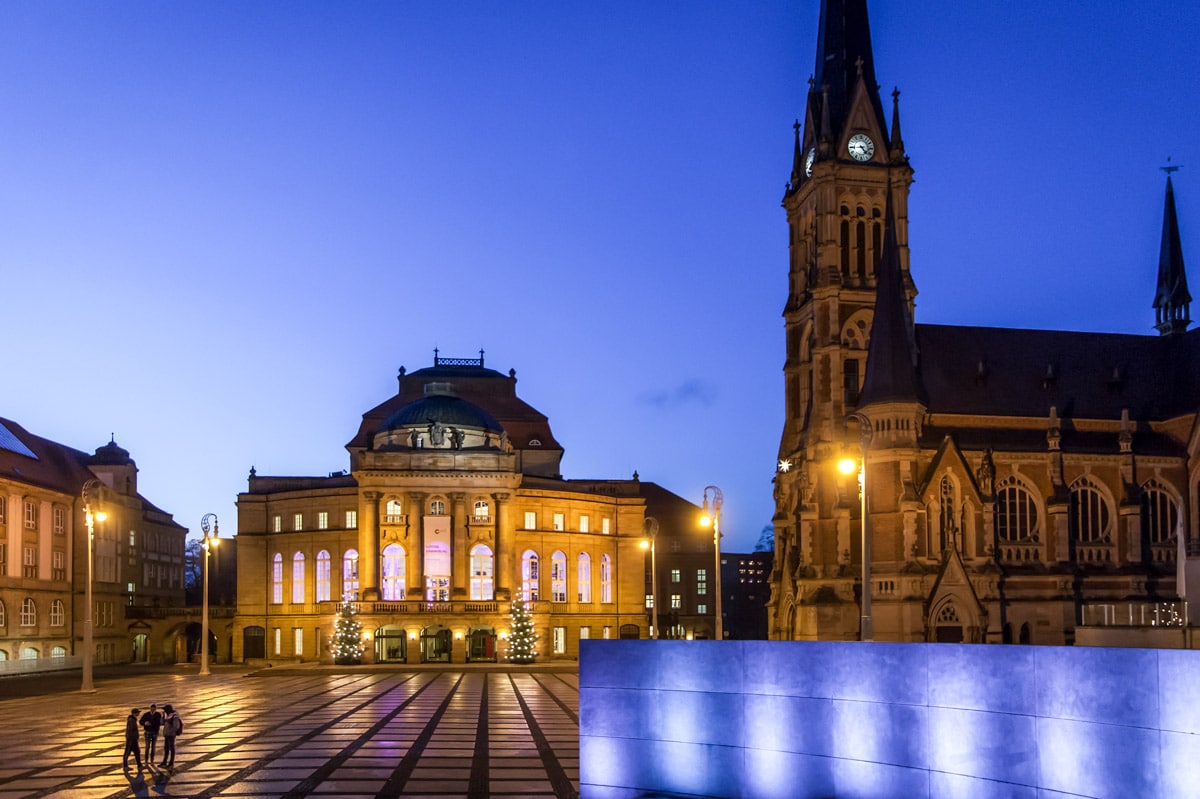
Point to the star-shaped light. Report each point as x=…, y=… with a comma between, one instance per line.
x=785, y=465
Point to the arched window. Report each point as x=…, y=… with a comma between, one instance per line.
x=58, y=652
x=1088, y=516
x=482, y=564
x=298, y=578
x=1016, y=512
x=483, y=510
x=3, y=655
x=393, y=512
x=277, y=579
x=350, y=575
x=58, y=613
x=29, y=653
x=437, y=507
x=395, y=564
x=1160, y=514
x=323, y=576
x=606, y=579
x=583, y=578
x=558, y=577
x=948, y=513
x=3, y=617
x=28, y=613
x=529, y=576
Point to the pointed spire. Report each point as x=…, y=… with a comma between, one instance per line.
x=797, y=159
x=843, y=55
x=1171, y=299
x=891, y=352
x=897, y=142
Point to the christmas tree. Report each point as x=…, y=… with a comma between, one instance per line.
x=347, y=643
x=522, y=643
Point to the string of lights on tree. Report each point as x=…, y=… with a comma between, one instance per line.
x=522, y=642
x=347, y=642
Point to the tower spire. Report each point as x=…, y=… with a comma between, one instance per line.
x=891, y=351
x=843, y=55
x=897, y=142
x=1171, y=298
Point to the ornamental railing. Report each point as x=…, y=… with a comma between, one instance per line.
x=405, y=607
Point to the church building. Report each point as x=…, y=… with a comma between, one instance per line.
x=1029, y=486
x=453, y=507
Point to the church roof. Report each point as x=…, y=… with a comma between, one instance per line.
x=844, y=41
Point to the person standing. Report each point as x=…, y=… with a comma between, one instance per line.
x=151, y=722
x=172, y=728
x=131, y=740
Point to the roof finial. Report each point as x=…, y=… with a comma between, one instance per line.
x=858, y=62
x=1169, y=168
x=435, y=356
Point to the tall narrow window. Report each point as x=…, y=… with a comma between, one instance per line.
x=481, y=573
x=1160, y=516
x=437, y=508
x=560, y=521
x=323, y=576
x=277, y=524
x=584, y=578
x=530, y=520
x=298, y=578
x=31, y=515
x=558, y=577
x=298, y=521
x=351, y=519
x=606, y=579
x=393, y=512
x=1088, y=515
x=58, y=613
x=1016, y=512
x=529, y=576
x=28, y=613
x=394, y=567
x=701, y=582
x=277, y=579
x=298, y=640
x=350, y=575
x=585, y=524
x=850, y=381
x=948, y=505
x=483, y=511
x=323, y=520
x=60, y=520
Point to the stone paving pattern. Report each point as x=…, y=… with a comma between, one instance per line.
x=454, y=731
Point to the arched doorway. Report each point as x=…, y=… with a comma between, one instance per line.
x=948, y=627
x=254, y=643
x=436, y=643
x=391, y=645
x=141, y=648
x=631, y=631
x=481, y=644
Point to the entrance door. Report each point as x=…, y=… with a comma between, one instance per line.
x=435, y=645
x=254, y=643
x=391, y=645
x=949, y=635
x=481, y=645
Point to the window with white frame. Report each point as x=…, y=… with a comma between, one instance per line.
x=676, y=602
x=529, y=576
x=560, y=521
x=702, y=610
x=483, y=510
x=393, y=512
x=29, y=653
x=350, y=575
x=58, y=565
x=560, y=640
x=606, y=579
x=605, y=528
x=1088, y=516
x=676, y=575
x=297, y=521
x=277, y=579
x=585, y=633
x=530, y=520
x=323, y=520
x=1160, y=514
x=607, y=633
x=649, y=601
x=394, y=567
x=58, y=652
x=31, y=515
x=28, y=613
x=482, y=566
x=584, y=577
x=58, y=613
x=278, y=632
x=60, y=520
x=437, y=507
x=298, y=578
x=701, y=581
x=558, y=577
x=323, y=575
x=277, y=524
x=298, y=640
x=351, y=519
x=585, y=524
x=1016, y=512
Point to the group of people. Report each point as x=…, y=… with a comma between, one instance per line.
x=152, y=722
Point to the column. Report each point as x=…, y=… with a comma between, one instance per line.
x=45, y=533
x=368, y=546
x=14, y=517
x=504, y=540
x=416, y=526
x=458, y=545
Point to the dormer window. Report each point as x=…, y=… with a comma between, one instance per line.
x=535, y=442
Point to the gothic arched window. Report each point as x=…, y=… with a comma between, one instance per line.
x=1160, y=514
x=1016, y=512
x=1088, y=517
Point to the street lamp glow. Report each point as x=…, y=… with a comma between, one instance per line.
x=718, y=499
x=848, y=466
x=90, y=495
x=210, y=540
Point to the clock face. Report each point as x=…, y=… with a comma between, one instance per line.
x=808, y=161
x=860, y=147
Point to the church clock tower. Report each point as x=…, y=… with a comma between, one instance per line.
x=845, y=162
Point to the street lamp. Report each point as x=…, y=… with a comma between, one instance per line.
x=91, y=493
x=651, y=528
x=210, y=540
x=850, y=466
x=715, y=520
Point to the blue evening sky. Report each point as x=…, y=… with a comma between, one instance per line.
x=225, y=225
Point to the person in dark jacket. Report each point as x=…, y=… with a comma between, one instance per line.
x=151, y=721
x=131, y=740
x=172, y=726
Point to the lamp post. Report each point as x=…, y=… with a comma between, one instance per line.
x=718, y=499
x=91, y=494
x=211, y=531
x=651, y=528
x=850, y=466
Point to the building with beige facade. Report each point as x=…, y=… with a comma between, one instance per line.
x=137, y=557
x=453, y=505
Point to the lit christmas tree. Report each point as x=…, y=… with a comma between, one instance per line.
x=347, y=643
x=522, y=642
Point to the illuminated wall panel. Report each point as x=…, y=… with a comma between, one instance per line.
x=772, y=720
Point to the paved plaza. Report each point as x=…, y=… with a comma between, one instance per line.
x=453, y=731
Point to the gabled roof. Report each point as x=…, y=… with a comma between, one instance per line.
x=31, y=459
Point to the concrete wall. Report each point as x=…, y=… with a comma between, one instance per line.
x=799, y=720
